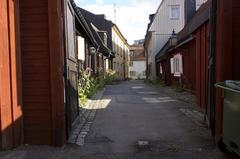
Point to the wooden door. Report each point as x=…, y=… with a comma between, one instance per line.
x=72, y=109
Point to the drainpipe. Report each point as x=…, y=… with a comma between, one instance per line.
x=65, y=73
x=211, y=67
x=146, y=54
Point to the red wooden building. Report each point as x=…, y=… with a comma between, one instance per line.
x=209, y=48
x=226, y=57
x=186, y=62
x=10, y=76
x=39, y=70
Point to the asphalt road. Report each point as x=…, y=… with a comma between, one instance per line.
x=133, y=111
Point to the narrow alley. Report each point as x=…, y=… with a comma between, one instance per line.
x=131, y=112
x=119, y=79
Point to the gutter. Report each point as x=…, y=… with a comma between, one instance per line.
x=182, y=43
x=212, y=60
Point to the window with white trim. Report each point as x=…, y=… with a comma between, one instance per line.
x=174, y=12
x=177, y=65
x=161, y=69
x=81, y=48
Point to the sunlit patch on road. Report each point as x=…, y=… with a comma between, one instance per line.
x=137, y=87
x=159, y=100
x=148, y=93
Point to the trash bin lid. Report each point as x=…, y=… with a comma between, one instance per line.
x=233, y=84
x=229, y=85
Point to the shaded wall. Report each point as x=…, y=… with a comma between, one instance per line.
x=227, y=52
x=202, y=50
x=42, y=71
x=188, y=52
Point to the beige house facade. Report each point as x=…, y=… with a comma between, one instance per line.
x=121, y=50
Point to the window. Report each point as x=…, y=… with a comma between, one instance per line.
x=131, y=63
x=161, y=70
x=114, y=66
x=176, y=65
x=144, y=73
x=132, y=53
x=132, y=73
x=174, y=12
x=81, y=48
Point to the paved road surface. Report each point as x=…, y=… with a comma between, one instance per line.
x=133, y=111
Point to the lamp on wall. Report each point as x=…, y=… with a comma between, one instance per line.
x=173, y=39
x=92, y=50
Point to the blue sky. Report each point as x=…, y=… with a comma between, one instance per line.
x=131, y=16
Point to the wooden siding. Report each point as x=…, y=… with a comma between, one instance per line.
x=10, y=76
x=36, y=72
x=42, y=70
x=227, y=52
x=202, y=49
x=189, y=65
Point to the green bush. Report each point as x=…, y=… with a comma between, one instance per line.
x=87, y=86
x=110, y=77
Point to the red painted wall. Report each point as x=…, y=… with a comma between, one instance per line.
x=227, y=52
x=10, y=76
x=202, y=50
x=189, y=65
x=42, y=71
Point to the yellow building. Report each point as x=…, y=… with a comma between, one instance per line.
x=121, y=50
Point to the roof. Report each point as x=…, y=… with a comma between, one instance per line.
x=185, y=35
x=101, y=23
x=125, y=40
x=139, y=54
x=102, y=47
x=199, y=18
x=84, y=23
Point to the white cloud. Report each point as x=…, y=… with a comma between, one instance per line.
x=131, y=19
x=99, y=1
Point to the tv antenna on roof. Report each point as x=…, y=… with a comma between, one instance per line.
x=115, y=12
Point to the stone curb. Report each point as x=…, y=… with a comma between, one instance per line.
x=86, y=118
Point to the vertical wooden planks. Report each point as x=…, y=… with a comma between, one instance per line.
x=15, y=71
x=56, y=52
x=5, y=79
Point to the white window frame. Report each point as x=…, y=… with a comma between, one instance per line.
x=81, y=48
x=161, y=69
x=177, y=65
x=171, y=15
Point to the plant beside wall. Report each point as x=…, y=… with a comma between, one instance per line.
x=155, y=81
x=86, y=86
x=110, y=77
x=90, y=84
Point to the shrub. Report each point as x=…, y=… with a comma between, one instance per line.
x=87, y=86
x=110, y=77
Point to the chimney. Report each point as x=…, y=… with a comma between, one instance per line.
x=189, y=9
x=103, y=36
x=151, y=17
x=103, y=16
